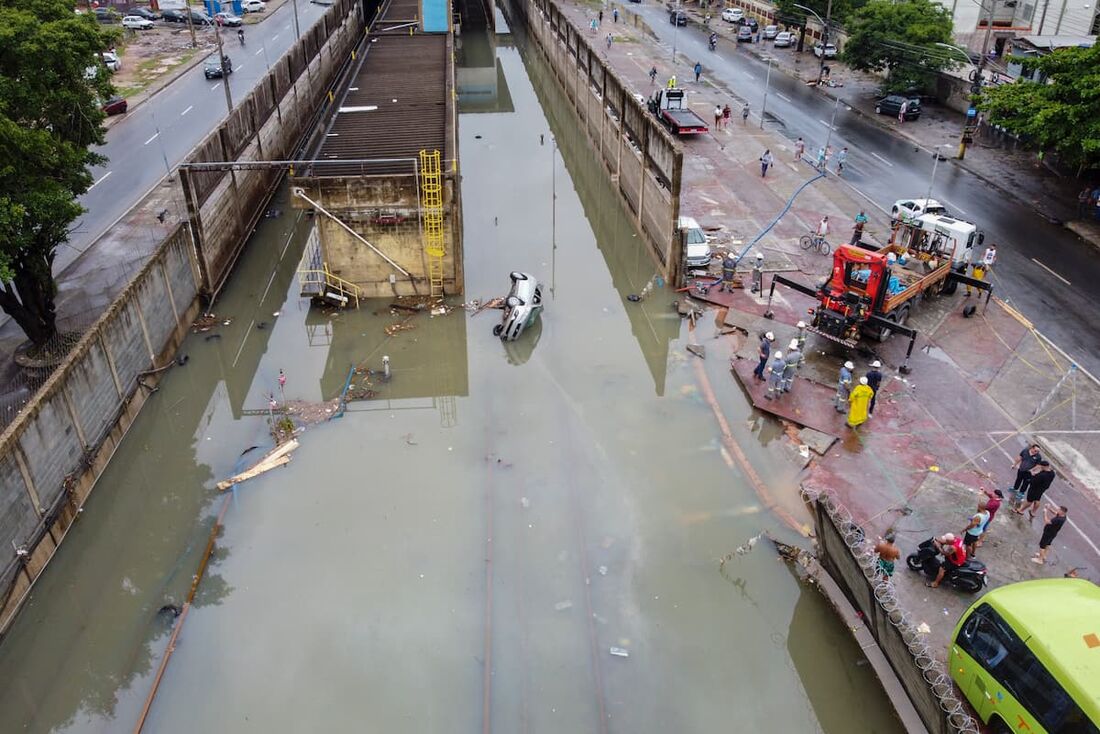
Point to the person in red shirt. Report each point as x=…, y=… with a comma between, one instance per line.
x=992, y=503
x=953, y=554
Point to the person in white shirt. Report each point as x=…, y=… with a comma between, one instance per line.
x=989, y=257
x=823, y=228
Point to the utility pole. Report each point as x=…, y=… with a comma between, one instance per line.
x=825, y=33
x=767, y=84
x=976, y=87
x=190, y=23
x=297, y=30
x=675, y=30
x=225, y=73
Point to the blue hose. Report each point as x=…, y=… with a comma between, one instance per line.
x=741, y=256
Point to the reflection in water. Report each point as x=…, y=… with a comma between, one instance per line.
x=519, y=351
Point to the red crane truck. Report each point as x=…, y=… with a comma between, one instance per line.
x=871, y=291
x=670, y=107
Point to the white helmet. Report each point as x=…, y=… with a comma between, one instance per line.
x=801, y=324
x=779, y=355
x=876, y=363
x=793, y=344
x=769, y=336
x=849, y=365
x=863, y=381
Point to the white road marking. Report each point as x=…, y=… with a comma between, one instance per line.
x=826, y=124
x=876, y=155
x=216, y=87
x=750, y=76
x=155, y=136
x=187, y=110
x=101, y=180
x=258, y=52
x=275, y=38
x=238, y=68
x=954, y=208
x=783, y=97
x=1044, y=267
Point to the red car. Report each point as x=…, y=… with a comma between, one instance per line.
x=115, y=106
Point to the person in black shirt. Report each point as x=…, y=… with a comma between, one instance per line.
x=1023, y=465
x=1040, y=482
x=1051, y=527
x=874, y=379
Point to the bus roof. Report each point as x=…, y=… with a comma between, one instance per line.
x=1059, y=619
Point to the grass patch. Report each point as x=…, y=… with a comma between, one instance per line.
x=150, y=70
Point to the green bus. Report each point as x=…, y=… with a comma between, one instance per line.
x=1027, y=657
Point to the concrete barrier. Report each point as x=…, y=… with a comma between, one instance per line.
x=642, y=161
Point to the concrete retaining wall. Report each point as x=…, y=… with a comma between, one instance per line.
x=267, y=125
x=51, y=455
x=642, y=161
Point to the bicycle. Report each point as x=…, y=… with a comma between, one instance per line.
x=814, y=241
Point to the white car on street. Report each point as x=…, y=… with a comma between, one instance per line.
x=828, y=50
x=253, y=6
x=137, y=23
x=732, y=15
x=906, y=209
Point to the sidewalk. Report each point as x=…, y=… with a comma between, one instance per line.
x=980, y=387
x=995, y=158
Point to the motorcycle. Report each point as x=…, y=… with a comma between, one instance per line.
x=713, y=43
x=969, y=577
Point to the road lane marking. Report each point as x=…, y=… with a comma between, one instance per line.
x=239, y=68
x=187, y=110
x=750, y=76
x=101, y=180
x=155, y=136
x=958, y=209
x=783, y=97
x=275, y=38
x=876, y=155
x=1044, y=267
x=826, y=124
x=258, y=52
x=216, y=87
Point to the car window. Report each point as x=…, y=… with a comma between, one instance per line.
x=696, y=237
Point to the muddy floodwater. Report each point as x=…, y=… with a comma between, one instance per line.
x=463, y=551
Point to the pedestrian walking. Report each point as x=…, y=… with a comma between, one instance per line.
x=758, y=274
x=888, y=553
x=775, y=376
x=759, y=32
x=989, y=258
x=1028, y=459
x=592, y=26
x=671, y=82
x=763, y=351
x=729, y=272
x=974, y=529
x=857, y=228
x=765, y=161
x=600, y=16
x=698, y=71
x=727, y=113
x=615, y=15
x=718, y=117
x=841, y=159
x=1052, y=524
x=902, y=110
x=857, y=403
x=822, y=157
x=609, y=39
x=874, y=379
x=792, y=361
x=745, y=113
x=1041, y=479
x=799, y=149
x=652, y=75
x=843, y=387
x=978, y=272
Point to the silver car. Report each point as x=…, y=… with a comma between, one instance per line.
x=783, y=39
x=771, y=31
x=521, y=308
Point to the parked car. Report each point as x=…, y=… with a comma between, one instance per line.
x=828, y=50
x=136, y=23
x=891, y=105
x=697, y=250
x=783, y=39
x=106, y=15
x=253, y=6
x=111, y=60
x=771, y=31
x=744, y=33
x=906, y=209
x=227, y=19
x=732, y=15
x=751, y=23
x=213, y=70
x=142, y=12
x=174, y=16
x=678, y=17
x=115, y=105
x=198, y=17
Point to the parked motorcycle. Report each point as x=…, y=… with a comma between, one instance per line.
x=970, y=577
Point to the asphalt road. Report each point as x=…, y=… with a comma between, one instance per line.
x=1044, y=270
x=160, y=133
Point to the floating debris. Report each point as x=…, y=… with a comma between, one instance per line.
x=619, y=652
x=561, y=606
x=396, y=328
x=279, y=456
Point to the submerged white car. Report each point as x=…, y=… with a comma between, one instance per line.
x=906, y=209
x=521, y=308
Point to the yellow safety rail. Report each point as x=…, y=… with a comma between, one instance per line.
x=431, y=186
x=322, y=283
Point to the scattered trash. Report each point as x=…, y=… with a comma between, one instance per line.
x=212, y=337
x=619, y=652
x=748, y=545
x=276, y=314
x=933, y=468
x=277, y=457
x=698, y=350
x=524, y=502
x=602, y=570
x=395, y=328
x=408, y=439
x=923, y=628
x=804, y=451
x=561, y=606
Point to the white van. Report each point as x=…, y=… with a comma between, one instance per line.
x=697, y=250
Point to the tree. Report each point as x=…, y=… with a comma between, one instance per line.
x=49, y=118
x=900, y=39
x=1060, y=114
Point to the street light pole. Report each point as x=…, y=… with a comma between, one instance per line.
x=297, y=30
x=767, y=83
x=975, y=89
x=225, y=74
x=825, y=33
x=829, y=137
x=675, y=30
x=935, y=162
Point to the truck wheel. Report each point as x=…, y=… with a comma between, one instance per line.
x=903, y=316
x=950, y=285
x=883, y=333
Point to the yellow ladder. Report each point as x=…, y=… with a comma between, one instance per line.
x=431, y=186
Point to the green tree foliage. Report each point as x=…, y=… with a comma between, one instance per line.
x=49, y=118
x=1062, y=115
x=900, y=38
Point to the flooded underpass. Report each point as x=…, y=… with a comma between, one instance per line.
x=511, y=538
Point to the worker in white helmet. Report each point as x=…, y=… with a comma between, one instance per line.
x=775, y=376
x=874, y=379
x=843, y=387
x=763, y=352
x=793, y=360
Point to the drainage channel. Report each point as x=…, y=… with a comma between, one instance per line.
x=506, y=537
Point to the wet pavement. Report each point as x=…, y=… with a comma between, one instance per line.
x=464, y=550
